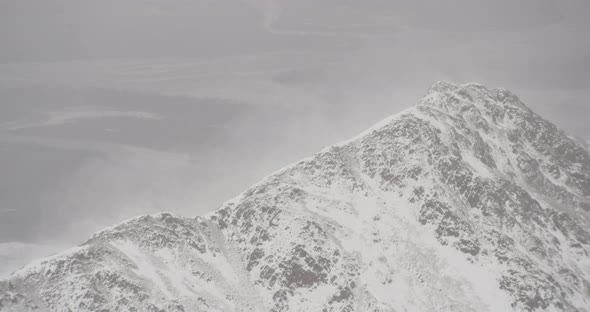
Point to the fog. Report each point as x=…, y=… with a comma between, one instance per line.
x=114, y=108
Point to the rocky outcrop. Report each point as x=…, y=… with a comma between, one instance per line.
x=467, y=202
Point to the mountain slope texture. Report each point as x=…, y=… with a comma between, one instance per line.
x=468, y=201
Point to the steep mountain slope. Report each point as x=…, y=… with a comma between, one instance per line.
x=468, y=201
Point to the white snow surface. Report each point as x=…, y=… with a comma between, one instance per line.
x=466, y=202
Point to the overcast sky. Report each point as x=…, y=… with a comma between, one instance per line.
x=114, y=108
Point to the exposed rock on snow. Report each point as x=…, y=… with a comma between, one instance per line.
x=468, y=201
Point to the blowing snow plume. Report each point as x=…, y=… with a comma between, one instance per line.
x=468, y=201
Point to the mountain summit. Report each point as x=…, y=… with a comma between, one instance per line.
x=468, y=201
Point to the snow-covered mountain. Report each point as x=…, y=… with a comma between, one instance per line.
x=468, y=201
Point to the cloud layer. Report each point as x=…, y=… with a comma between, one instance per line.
x=114, y=108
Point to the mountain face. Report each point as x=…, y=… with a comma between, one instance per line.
x=468, y=201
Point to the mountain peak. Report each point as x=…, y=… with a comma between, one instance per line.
x=469, y=201
x=453, y=98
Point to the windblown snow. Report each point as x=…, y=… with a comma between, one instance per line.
x=468, y=201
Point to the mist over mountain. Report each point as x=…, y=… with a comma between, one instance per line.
x=115, y=108
x=467, y=201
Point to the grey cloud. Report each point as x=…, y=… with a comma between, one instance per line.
x=239, y=88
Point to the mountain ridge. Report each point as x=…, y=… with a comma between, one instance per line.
x=467, y=201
